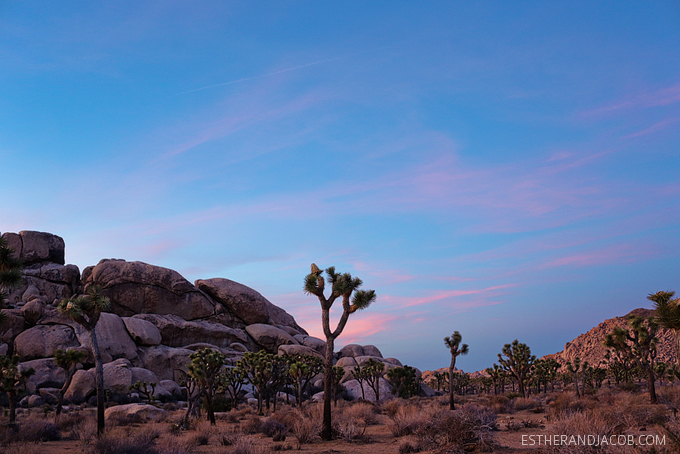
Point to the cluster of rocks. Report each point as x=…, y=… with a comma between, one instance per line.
x=157, y=319
x=589, y=346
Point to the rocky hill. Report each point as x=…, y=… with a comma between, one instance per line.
x=588, y=346
x=156, y=320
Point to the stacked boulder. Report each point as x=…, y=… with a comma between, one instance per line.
x=156, y=320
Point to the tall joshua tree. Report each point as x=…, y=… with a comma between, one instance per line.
x=86, y=310
x=10, y=271
x=346, y=287
x=668, y=315
x=518, y=362
x=204, y=367
x=454, y=345
x=638, y=343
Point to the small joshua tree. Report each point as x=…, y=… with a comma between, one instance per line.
x=231, y=380
x=578, y=369
x=518, y=362
x=404, y=381
x=204, y=368
x=86, y=310
x=258, y=368
x=302, y=369
x=12, y=380
x=10, y=271
x=145, y=389
x=374, y=371
x=67, y=360
x=342, y=286
x=454, y=345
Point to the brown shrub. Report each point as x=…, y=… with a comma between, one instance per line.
x=525, y=403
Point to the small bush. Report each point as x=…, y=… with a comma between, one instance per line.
x=275, y=429
x=408, y=447
x=408, y=420
x=306, y=429
x=252, y=425
x=141, y=444
x=201, y=439
x=525, y=403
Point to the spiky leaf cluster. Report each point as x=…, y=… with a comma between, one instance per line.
x=11, y=377
x=85, y=309
x=342, y=285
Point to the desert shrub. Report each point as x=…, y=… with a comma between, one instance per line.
x=409, y=446
x=364, y=411
x=220, y=403
x=244, y=446
x=407, y=420
x=501, y=404
x=305, y=429
x=531, y=424
x=275, y=429
x=29, y=431
x=468, y=427
x=200, y=439
x=251, y=425
x=68, y=420
x=282, y=447
x=391, y=407
x=580, y=423
x=525, y=403
x=565, y=403
x=350, y=425
x=140, y=444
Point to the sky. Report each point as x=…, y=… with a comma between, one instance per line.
x=508, y=170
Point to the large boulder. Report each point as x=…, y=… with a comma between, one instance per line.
x=145, y=375
x=177, y=332
x=140, y=288
x=43, y=341
x=246, y=303
x=118, y=376
x=311, y=342
x=112, y=338
x=143, y=411
x=269, y=337
x=168, y=363
x=36, y=247
x=141, y=331
x=47, y=374
x=353, y=389
x=81, y=388
x=13, y=325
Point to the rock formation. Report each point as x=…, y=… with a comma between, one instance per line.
x=157, y=319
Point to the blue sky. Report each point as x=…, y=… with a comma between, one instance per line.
x=505, y=169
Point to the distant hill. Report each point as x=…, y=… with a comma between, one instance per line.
x=588, y=346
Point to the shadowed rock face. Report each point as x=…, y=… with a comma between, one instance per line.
x=36, y=247
x=140, y=288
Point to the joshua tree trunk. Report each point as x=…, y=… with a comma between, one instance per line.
x=327, y=431
x=12, y=397
x=60, y=402
x=651, y=384
x=451, y=367
x=99, y=375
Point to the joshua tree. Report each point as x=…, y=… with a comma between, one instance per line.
x=574, y=368
x=67, y=360
x=518, y=363
x=338, y=373
x=342, y=286
x=453, y=344
x=302, y=369
x=204, y=367
x=145, y=389
x=11, y=381
x=231, y=380
x=404, y=381
x=374, y=371
x=258, y=368
x=668, y=315
x=638, y=343
x=10, y=271
x=86, y=310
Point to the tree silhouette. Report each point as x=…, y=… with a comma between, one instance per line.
x=67, y=360
x=342, y=286
x=518, y=363
x=10, y=271
x=668, y=315
x=204, y=368
x=12, y=380
x=453, y=344
x=86, y=310
x=638, y=343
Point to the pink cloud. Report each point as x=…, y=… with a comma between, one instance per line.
x=654, y=128
x=401, y=302
x=643, y=99
x=623, y=253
